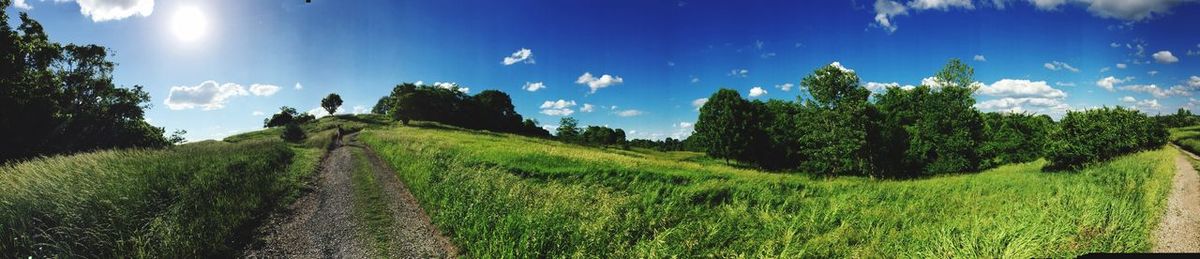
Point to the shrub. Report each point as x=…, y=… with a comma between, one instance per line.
x=1095, y=135
x=1014, y=138
x=293, y=133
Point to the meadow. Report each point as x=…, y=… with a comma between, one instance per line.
x=1187, y=138
x=194, y=200
x=509, y=196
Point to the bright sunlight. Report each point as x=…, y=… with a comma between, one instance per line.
x=189, y=24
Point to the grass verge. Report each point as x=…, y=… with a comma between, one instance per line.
x=370, y=206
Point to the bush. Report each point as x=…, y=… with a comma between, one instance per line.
x=293, y=133
x=1014, y=138
x=1095, y=135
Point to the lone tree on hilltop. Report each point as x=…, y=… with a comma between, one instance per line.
x=331, y=103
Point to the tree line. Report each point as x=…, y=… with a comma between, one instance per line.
x=925, y=130
x=57, y=98
x=488, y=110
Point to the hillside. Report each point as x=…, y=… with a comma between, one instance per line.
x=501, y=194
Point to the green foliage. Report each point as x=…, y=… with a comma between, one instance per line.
x=194, y=200
x=1094, y=135
x=488, y=110
x=1014, y=138
x=57, y=99
x=293, y=133
x=568, y=130
x=565, y=200
x=287, y=115
x=1181, y=118
x=603, y=136
x=726, y=127
x=331, y=103
x=837, y=123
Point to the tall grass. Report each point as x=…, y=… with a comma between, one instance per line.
x=194, y=200
x=508, y=196
x=1187, y=138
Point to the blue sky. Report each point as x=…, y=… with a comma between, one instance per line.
x=661, y=57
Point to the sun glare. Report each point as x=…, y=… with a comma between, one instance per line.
x=189, y=24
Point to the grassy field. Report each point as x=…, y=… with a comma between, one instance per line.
x=1187, y=138
x=503, y=195
x=194, y=200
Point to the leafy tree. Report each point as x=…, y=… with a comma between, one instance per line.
x=293, y=133
x=838, y=123
x=60, y=99
x=568, y=130
x=618, y=138
x=331, y=103
x=725, y=126
x=177, y=137
x=382, y=106
x=1014, y=138
x=285, y=116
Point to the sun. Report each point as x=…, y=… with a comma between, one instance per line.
x=189, y=24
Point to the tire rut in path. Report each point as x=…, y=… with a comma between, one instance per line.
x=1180, y=227
x=322, y=223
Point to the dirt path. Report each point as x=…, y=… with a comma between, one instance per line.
x=322, y=222
x=1180, y=227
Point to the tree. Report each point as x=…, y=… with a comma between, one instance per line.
x=285, y=116
x=568, y=130
x=177, y=137
x=58, y=99
x=725, y=125
x=331, y=103
x=619, y=138
x=382, y=106
x=837, y=123
x=950, y=129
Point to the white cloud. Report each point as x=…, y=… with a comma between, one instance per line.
x=20, y=4
x=1165, y=57
x=298, y=86
x=699, y=103
x=1128, y=99
x=1108, y=82
x=1122, y=65
x=208, y=95
x=885, y=10
x=359, y=109
x=629, y=113
x=263, y=89
x=757, y=91
x=558, y=108
x=1129, y=10
x=1148, y=104
x=1057, y=65
x=740, y=72
x=1114, y=45
x=1194, y=81
x=534, y=86
x=257, y=113
x=595, y=83
x=980, y=58
x=451, y=86
x=839, y=66
x=522, y=55
x=1064, y=83
x=940, y=4
x=785, y=86
x=684, y=125
x=1105, y=69
x=587, y=107
x=1021, y=88
x=1158, y=92
x=880, y=87
x=111, y=10
x=1050, y=106
x=695, y=79
x=320, y=112
x=1152, y=72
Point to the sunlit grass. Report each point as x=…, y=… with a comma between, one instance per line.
x=503, y=195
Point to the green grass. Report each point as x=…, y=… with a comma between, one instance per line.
x=1187, y=138
x=508, y=196
x=370, y=207
x=194, y=200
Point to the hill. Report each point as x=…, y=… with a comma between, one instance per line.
x=502, y=194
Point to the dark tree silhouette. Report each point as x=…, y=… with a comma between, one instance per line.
x=331, y=103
